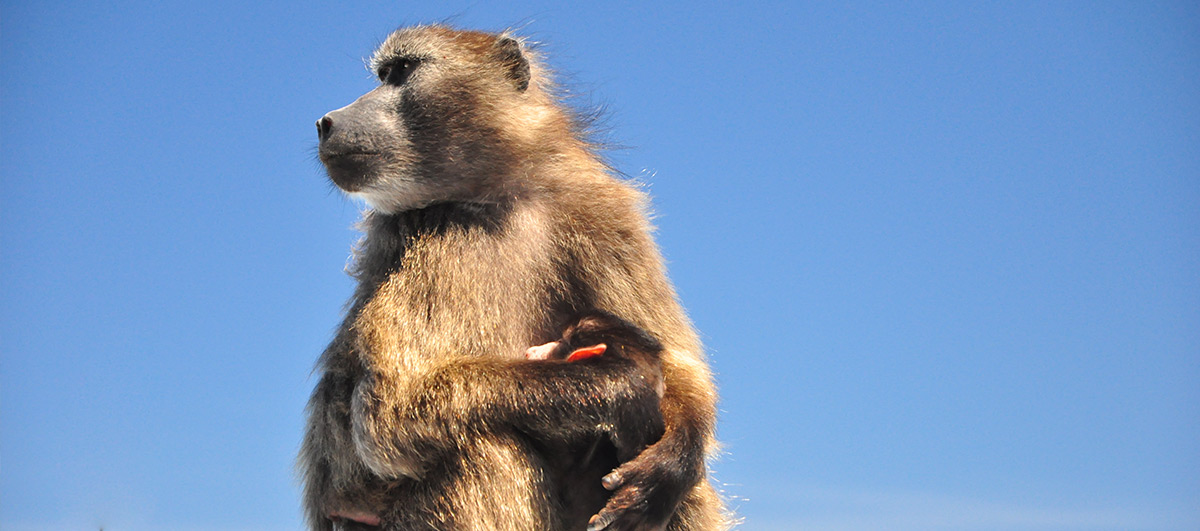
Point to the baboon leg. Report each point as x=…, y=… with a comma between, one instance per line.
x=494, y=484
x=701, y=509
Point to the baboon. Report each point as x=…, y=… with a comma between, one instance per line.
x=492, y=223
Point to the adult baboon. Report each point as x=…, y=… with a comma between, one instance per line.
x=492, y=224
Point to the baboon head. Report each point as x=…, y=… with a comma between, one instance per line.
x=455, y=112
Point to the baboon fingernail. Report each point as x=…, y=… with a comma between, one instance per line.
x=611, y=481
x=595, y=524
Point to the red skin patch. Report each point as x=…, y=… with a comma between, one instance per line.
x=587, y=352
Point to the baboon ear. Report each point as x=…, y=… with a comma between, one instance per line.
x=508, y=50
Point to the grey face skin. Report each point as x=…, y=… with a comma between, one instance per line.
x=358, y=141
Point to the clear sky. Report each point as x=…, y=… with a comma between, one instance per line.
x=945, y=256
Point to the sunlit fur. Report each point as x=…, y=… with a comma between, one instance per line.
x=493, y=223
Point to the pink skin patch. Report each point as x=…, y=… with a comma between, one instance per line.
x=543, y=352
x=355, y=516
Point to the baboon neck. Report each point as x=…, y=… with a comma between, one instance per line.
x=440, y=218
x=387, y=236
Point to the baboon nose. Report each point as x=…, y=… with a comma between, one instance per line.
x=324, y=126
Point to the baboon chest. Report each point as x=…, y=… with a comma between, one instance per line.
x=450, y=299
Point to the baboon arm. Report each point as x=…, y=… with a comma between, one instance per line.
x=400, y=425
x=648, y=488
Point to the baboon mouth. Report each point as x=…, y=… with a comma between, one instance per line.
x=333, y=155
x=350, y=170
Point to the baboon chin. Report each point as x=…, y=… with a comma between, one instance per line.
x=493, y=227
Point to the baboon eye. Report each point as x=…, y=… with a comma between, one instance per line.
x=396, y=72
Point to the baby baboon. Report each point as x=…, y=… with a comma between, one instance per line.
x=492, y=224
x=602, y=333
x=593, y=335
x=590, y=336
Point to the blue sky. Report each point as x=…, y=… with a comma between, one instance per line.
x=944, y=256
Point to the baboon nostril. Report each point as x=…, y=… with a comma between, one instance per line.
x=323, y=126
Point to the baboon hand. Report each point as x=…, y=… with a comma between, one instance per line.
x=646, y=491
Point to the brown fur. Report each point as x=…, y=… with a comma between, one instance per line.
x=493, y=223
